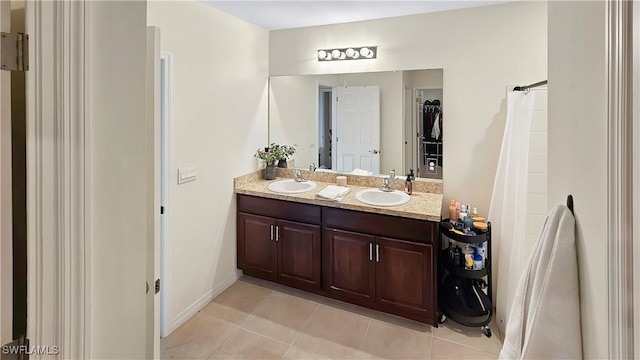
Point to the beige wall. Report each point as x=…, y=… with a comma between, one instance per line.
x=578, y=148
x=218, y=120
x=481, y=51
x=117, y=175
x=293, y=114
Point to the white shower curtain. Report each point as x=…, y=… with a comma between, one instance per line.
x=508, y=209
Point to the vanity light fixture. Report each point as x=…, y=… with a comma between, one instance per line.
x=352, y=53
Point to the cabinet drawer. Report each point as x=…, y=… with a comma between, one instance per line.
x=381, y=225
x=279, y=209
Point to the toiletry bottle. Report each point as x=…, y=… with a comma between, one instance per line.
x=474, y=213
x=408, y=186
x=457, y=211
x=463, y=212
x=457, y=254
x=413, y=176
x=452, y=211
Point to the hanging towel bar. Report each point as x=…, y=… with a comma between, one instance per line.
x=527, y=87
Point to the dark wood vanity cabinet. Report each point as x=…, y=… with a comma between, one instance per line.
x=258, y=247
x=349, y=267
x=378, y=261
x=276, y=249
x=405, y=277
x=298, y=250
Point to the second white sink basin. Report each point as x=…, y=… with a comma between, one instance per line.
x=291, y=186
x=378, y=197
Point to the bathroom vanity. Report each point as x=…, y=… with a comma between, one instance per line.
x=380, y=258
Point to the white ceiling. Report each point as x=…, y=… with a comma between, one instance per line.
x=276, y=15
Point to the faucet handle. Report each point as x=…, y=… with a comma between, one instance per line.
x=298, y=173
x=385, y=182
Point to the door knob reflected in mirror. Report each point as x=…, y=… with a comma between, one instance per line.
x=374, y=151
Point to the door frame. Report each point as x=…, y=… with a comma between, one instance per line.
x=58, y=211
x=6, y=196
x=166, y=323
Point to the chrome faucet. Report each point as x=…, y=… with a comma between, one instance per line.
x=385, y=185
x=298, y=176
x=312, y=167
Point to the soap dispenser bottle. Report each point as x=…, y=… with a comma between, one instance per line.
x=408, y=186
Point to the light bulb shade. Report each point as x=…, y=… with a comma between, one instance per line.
x=351, y=53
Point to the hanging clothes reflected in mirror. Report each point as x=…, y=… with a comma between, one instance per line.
x=430, y=125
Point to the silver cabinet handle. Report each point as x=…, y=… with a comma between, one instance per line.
x=377, y=252
x=370, y=251
x=271, y=233
x=277, y=232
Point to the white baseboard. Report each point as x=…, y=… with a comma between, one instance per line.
x=205, y=299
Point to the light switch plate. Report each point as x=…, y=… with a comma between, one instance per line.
x=187, y=174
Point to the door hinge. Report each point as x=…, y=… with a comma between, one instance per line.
x=14, y=51
x=161, y=210
x=16, y=350
x=157, y=286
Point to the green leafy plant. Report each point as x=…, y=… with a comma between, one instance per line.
x=274, y=153
x=287, y=150
x=270, y=155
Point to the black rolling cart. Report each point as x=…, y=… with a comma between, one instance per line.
x=465, y=295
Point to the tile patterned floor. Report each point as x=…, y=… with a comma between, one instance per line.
x=255, y=319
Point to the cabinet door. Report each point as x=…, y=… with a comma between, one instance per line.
x=298, y=247
x=256, y=246
x=350, y=266
x=404, y=277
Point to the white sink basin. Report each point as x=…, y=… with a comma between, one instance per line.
x=378, y=197
x=290, y=186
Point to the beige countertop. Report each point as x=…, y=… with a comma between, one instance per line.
x=422, y=206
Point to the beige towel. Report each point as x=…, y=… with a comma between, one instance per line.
x=332, y=193
x=544, y=322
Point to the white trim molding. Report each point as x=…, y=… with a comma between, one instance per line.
x=620, y=186
x=636, y=176
x=57, y=148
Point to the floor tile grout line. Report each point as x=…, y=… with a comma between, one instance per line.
x=466, y=345
x=237, y=326
x=264, y=336
x=301, y=329
x=233, y=331
x=256, y=308
x=431, y=347
x=364, y=338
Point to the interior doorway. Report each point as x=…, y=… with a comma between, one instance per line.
x=324, y=127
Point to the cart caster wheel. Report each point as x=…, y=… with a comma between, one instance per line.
x=486, y=331
x=442, y=319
